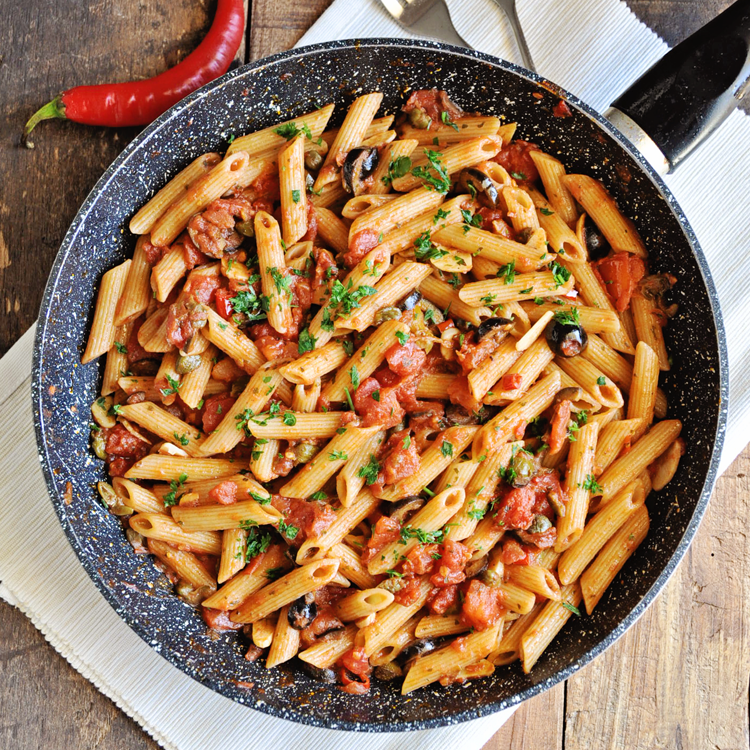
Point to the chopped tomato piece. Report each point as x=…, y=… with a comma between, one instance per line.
x=620, y=273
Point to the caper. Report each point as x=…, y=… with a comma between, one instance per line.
x=99, y=444
x=305, y=452
x=387, y=313
x=539, y=525
x=523, y=468
x=389, y=671
x=394, y=585
x=246, y=228
x=313, y=159
x=420, y=119
x=188, y=363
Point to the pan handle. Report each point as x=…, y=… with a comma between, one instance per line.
x=687, y=94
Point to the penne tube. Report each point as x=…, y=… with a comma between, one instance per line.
x=195, y=384
x=351, y=133
x=613, y=438
x=305, y=426
x=396, y=212
x=262, y=459
x=547, y=624
x=392, y=619
x=147, y=216
x=585, y=400
x=326, y=652
x=333, y=457
x=245, y=411
x=305, y=398
x=230, y=340
x=239, y=515
x=233, y=171
x=395, y=153
x=467, y=126
x=626, y=468
x=431, y=518
x=591, y=379
x=446, y=298
x=483, y=378
x=484, y=538
x=509, y=649
x=552, y=173
x=644, y=384
x=102, y=332
x=438, y=626
x=480, y=490
x=331, y=229
x=285, y=643
x=292, y=190
x=187, y=566
x=167, y=272
x=233, y=550
x=351, y=479
x=329, y=195
x=521, y=210
x=273, y=273
x=600, y=574
x=248, y=581
x=362, y=603
x=449, y=444
x=358, y=205
x=449, y=660
x=140, y=499
x=364, y=361
x=501, y=427
x=200, y=489
x=170, y=468
x=285, y=590
x=527, y=368
x=601, y=208
x=347, y=518
x=117, y=360
x=598, y=531
x=162, y=527
x=524, y=286
x=435, y=385
x=352, y=567
x=458, y=474
x=273, y=138
x=453, y=159
x=665, y=467
x=648, y=321
x=165, y=425
x=592, y=319
x=536, y=579
x=493, y=247
x=312, y=365
x=378, y=126
x=578, y=486
x=516, y=598
x=263, y=631
x=136, y=291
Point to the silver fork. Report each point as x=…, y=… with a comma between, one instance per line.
x=413, y=15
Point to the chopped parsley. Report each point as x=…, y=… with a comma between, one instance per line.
x=477, y=514
x=289, y=419
x=338, y=456
x=306, y=341
x=601, y=380
x=572, y=608
x=345, y=299
x=470, y=220
x=171, y=498
x=441, y=214
x=407, y=442
x=446, y=448
x=273, y=573
x=289, y=531
x=174, y=387
x=569, y=318
x=375, y=395
x=181, y=439
x=393, y=573
x=280, y=281
x=518, y=175
x=446, y=118
x=261, y=499
x=121, y=347
x=291, y=130
x=591, y=484
x=370, y=470
x=354, y=376
x=507, y=272
x=397, y=168
x=559, y=273
x=296, y=195
x=425, y=249
x=402, y=337
x=249, y=304
x=257, y=542
x=318, y=496
x=441, y=183
x=424, y=537
x=546, y=212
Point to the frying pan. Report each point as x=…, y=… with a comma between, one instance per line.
x=284, y=86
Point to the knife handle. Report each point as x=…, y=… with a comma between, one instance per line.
x=687, y=94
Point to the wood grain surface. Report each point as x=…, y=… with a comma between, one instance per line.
x=678, y=679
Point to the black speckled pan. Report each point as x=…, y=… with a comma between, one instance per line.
x=266, y=92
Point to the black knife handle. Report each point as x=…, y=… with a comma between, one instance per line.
x=687, y=94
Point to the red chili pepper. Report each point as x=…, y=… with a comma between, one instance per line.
x=140, y=102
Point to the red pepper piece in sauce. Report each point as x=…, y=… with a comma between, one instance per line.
x=141, y=102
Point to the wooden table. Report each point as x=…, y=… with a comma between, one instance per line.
x=678, y=679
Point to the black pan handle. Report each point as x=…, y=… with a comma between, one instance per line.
x=687, y=94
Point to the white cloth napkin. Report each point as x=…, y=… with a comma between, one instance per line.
x=595, y=48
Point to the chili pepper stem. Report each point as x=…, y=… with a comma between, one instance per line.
x=51, y=110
